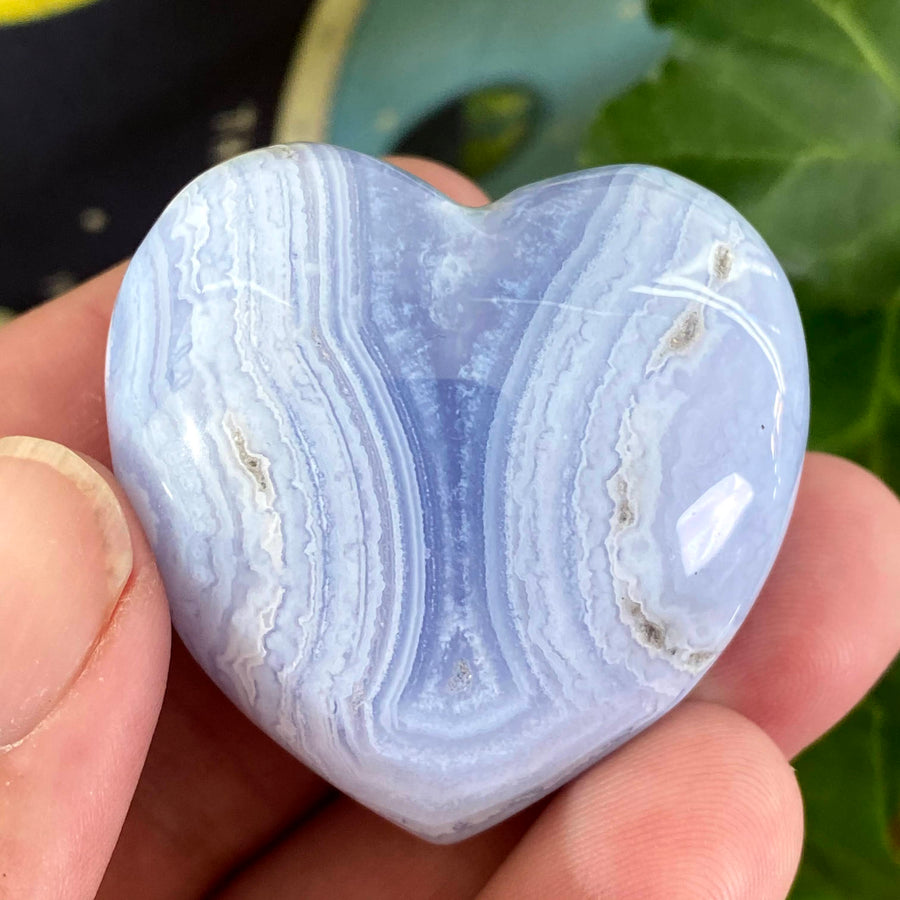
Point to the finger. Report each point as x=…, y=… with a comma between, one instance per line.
x=215, y=790
x=828, y=621
x=703, y=805
x=204, y=753
x=347, y=851
x=51, y=368
x=84, y=640
x=448, y=181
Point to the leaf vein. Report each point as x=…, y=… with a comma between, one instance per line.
x=856, y=33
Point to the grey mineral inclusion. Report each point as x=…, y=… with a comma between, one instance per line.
x=453, y=502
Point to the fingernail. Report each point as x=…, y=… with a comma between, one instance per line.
x=65, y=556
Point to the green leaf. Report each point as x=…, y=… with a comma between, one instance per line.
x=791, y=110
x=848, y=851
x=497, y=121
x=887, y=695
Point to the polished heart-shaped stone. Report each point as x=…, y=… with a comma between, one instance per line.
x=452, y=502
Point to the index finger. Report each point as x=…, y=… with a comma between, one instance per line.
x=51, y=368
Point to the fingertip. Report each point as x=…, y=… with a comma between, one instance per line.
x=51, y=367
x=444, y=178
x=846, y=486
x=86, y=710
x=702, y=805
x=65, y=556
x=827, y=622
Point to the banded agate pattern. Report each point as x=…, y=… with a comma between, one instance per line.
x=452, y=502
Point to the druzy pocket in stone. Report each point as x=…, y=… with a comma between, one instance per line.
x=452, y=502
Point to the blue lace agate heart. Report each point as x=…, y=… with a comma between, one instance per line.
x=452, y=502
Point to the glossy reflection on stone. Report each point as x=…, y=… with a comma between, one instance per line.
x=453, y=502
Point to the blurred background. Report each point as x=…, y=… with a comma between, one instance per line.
x=788, y=108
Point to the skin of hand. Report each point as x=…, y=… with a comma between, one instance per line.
x=124, y=773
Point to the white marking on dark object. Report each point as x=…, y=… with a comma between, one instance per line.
x=57, y=283
x=93, y=220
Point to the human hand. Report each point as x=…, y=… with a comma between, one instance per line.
x=702, y=805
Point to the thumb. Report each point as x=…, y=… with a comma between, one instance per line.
x=84, y=644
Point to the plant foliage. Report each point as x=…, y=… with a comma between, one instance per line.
x=791, y=110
